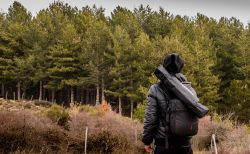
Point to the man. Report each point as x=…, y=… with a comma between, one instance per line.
x=154, y=128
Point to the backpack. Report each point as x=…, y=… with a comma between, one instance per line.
x=180, y=120
x=176, y=83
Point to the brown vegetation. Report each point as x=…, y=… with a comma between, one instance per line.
x=28, y=128
x=231, y=138
x=40, y=131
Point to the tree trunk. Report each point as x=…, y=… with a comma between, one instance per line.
x=82, y=95
x=91, y=97
x=41, y=91
x=71, y=94
x=120, y=105
x=18, y=91
x=44, y=94
x=6, y=96
x=87, y=97
x=52, y=95
x=97, y=102
x=24, y=94
x=78, y=94
x=2, y=91
x=132, y=109
x=103, y=97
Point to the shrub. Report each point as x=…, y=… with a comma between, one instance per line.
x=108, y=142
x=42, y=103
x=25, y=131
x=104, y=107
x=221, y=126
x=58, y=114
x=140, y=111
x=247, y=128
x=202, y=140
x=86, y=108
x=28, y=105
x=11, y=140
x=94, y=111
x=111, y=122
x=236, y=141
x=230, y=138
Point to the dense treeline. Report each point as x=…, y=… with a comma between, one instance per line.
x=66, y=54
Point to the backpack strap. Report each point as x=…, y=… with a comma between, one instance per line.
x=165, y=91
x=166, y=122
x=180, y=77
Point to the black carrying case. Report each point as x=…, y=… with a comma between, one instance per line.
x=181, y=91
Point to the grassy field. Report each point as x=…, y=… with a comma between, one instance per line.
x=41, y=127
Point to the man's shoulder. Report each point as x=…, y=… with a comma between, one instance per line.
x=154, y=88
x=155, y=85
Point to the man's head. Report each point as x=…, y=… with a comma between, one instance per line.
x=173, y=63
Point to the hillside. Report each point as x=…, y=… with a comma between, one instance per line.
x=40, y=127
x=65, y=54
x=44, y=128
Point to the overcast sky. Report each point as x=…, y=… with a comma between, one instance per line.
x=212, y=8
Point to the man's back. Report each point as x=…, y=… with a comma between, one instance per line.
x=154, y=127
x=155, y=116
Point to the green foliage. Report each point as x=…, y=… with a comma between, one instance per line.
x=6, y=56
x=86, y=108
x=139, y=112
x=238, y=98
x=93, y=111
x=58, y=114
x=228, y=50
x=127, y=20
x=120, y=70
x=24, y=70
x=83, y=50
x=199, y=67
x=248, y=128
x=153, y=22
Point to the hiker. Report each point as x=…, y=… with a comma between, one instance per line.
x=155, y=127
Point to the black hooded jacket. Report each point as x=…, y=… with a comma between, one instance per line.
x=157, y=102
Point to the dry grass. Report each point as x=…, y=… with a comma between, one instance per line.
x=25, y=131
x=12, y=105
x=29, y=128
x=231, y=138
x=123, y=132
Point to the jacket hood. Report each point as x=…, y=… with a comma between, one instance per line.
x=173, y=63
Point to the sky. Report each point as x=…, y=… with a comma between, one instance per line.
x=239, y=9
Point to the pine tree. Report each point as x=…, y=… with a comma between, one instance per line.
x=158, y=23
x=96, y=45
x=18, y=19
x=37, y=41
x=227, y=50
x=127, y=20
x=119, y=72
x=143, y=64
x=6, y=55
x=65, y=69
x=23, y=71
